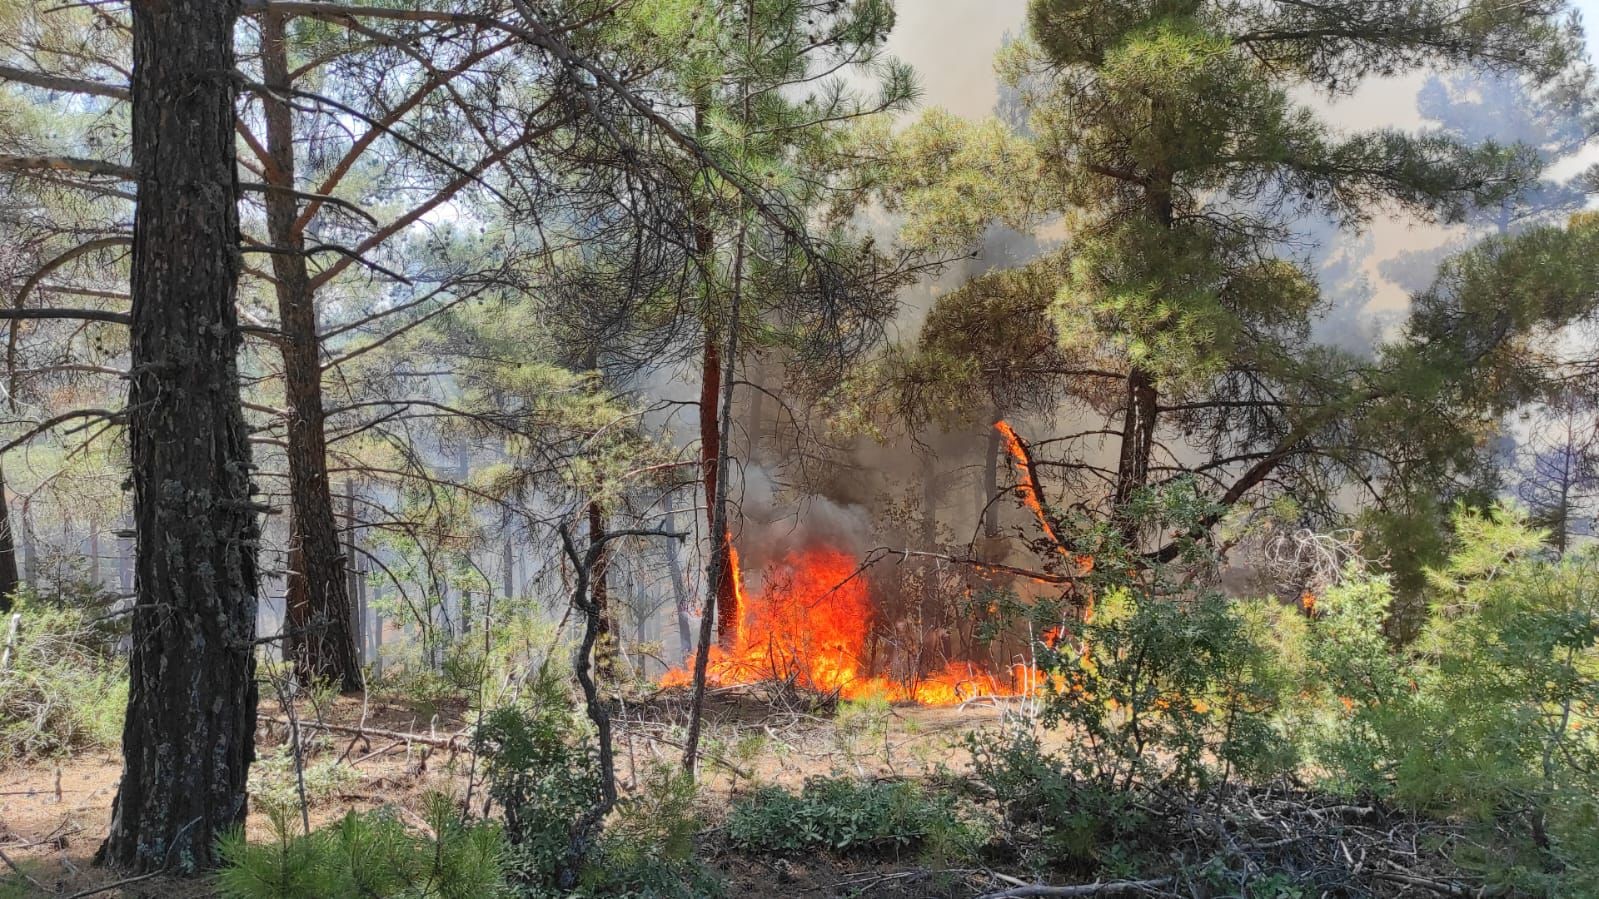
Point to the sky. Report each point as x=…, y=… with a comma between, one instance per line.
x=952, y=45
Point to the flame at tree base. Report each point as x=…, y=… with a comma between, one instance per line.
x=810, y=625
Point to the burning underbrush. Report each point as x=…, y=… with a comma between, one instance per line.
x=810, y=625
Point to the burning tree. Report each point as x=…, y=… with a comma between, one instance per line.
x=1167, y=140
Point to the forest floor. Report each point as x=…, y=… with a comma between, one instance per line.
x=54, y=815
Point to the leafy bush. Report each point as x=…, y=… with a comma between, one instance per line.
x=1045, y=801
x=63, y=689
x=543, y=773
x=1169, y=685
x=1162, y=688
x=543, y=782
x=647, y=849
x=372, y=855
x=1491, y=715
x=845, y=815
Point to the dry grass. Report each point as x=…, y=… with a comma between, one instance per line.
x=54, y=815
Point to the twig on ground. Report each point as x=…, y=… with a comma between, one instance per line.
x=20, y=873
x=115, y=884
x=1098, y=888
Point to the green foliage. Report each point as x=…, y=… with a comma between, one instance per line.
x=372, y=854
x=1165, y=687
x=647, y=849
x=275, y=789
x=543, y=781
x=543, y=775
x=848, y=815
x=1045, y=801
x=1168, y=684
x=1490, y=715
x=64, y=689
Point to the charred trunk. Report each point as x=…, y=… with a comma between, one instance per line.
x=1138, y=442
x=318, y=612
x=189, y=737
x=990, y=488
x=605, y=648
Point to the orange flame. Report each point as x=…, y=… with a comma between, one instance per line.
x=1028, y=488
x=811, y=623
x=734, y=569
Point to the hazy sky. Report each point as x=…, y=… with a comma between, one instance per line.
x=952, y=44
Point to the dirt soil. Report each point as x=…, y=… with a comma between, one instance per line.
x=54, y=815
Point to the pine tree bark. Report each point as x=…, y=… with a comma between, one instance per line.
x=1138, y=434
x=727, y=610
x=190, y=731
x=318, y=613
x=600, y=594
x=9, y=578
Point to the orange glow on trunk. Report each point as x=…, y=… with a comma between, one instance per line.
x=1028, y=488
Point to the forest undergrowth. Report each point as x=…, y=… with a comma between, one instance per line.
x=1178, y=744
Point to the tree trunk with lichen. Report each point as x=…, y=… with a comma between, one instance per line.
x=189, y=737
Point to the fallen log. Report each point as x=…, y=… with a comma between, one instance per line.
x=454, y=741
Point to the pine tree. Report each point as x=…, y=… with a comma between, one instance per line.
x=1171, y=139
x=190, y=731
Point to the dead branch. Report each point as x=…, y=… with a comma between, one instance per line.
x=64, y=84
x=1098, y=888
x=454, y=741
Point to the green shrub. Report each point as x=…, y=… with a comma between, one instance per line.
x=64, y=690
x=1490, y=717
x=1046, y=801
x=846, y=815
x=544, y=776
x=647, y=849
x=274, y=786
x=368, y=855
x=1164, y=688
x=542, y=770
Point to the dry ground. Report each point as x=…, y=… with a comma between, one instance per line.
x=54, y=815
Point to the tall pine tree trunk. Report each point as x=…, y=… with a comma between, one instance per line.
x=9, y=579
x=727, y=610
x=317, y=610
x=190, y=731
x=606, y=635
x=1138, y=435
x=680, y=595
x=1142, y=404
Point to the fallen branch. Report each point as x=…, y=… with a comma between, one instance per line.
x=1098, y=888
x=106, y=888
x=454, y=741
x=1441, y=887
x=20, y=873
x=707, y=756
